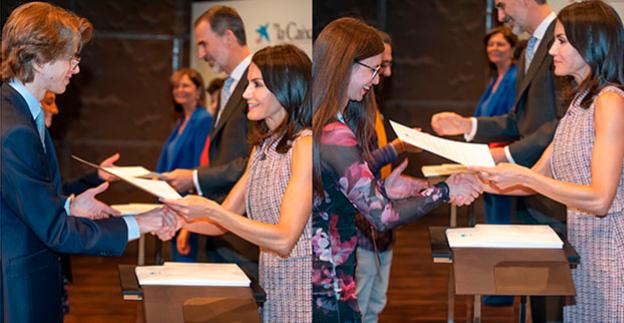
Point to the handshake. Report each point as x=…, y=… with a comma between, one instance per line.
x=162, y=221
x=464, y=188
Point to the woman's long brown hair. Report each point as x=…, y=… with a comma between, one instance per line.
x=341, y=43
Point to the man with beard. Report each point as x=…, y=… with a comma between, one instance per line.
x=221, y=42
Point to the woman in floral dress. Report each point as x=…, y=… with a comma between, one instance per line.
x=347, y=58
x=276, y=188
x=583, y=167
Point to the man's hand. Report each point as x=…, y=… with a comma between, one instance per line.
x=108, y=162
x=450, y=123
x=180, y=179
x=167, y=232
x=161, y=221
x=87, y=206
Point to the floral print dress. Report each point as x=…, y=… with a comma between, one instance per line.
x=350, y=187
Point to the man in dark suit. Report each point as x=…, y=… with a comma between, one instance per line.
x=537, y=110
x=40, y=43
x=221, y=42
x=532, y=122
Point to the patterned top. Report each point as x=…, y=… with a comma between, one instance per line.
x=369, y=238
x=599, y=279
x=350, y=187
x=285, y=280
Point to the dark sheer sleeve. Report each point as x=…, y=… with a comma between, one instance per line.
x=381, y=157
x=342, y=156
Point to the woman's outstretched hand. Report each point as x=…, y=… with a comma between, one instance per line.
x=192, y=207
x=399, y=186
x=503, y=176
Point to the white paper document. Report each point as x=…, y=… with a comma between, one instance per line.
x=460, y=152
x=192, y=274
x=504, y=236
x=132, y=171
x=157, y=188
x=135, y=208
x=132, y=175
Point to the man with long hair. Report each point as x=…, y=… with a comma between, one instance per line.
x=40, y=47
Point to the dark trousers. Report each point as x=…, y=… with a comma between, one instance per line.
x=498, y=208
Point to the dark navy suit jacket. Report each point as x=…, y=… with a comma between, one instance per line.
x=33, y=224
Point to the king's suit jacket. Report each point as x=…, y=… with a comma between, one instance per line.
x=229, y=149
x=33, y=222
x=533, y=121
x=536, y=112
x=228, y=154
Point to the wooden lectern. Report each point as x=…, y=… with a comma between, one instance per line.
x=193, y=303
x=501, y=271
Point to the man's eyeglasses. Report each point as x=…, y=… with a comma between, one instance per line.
x=375, y=70
x=74, y=61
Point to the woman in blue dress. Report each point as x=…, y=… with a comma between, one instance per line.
x=498, y=99
x=184, y=146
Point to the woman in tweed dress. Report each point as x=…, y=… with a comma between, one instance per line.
x=583, y=167
x=276, y=189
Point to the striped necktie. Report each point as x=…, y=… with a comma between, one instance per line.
x=226, y=91
x=530, y=52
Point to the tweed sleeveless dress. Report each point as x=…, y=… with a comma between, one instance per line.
x=285, y=280
x=599, y=278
